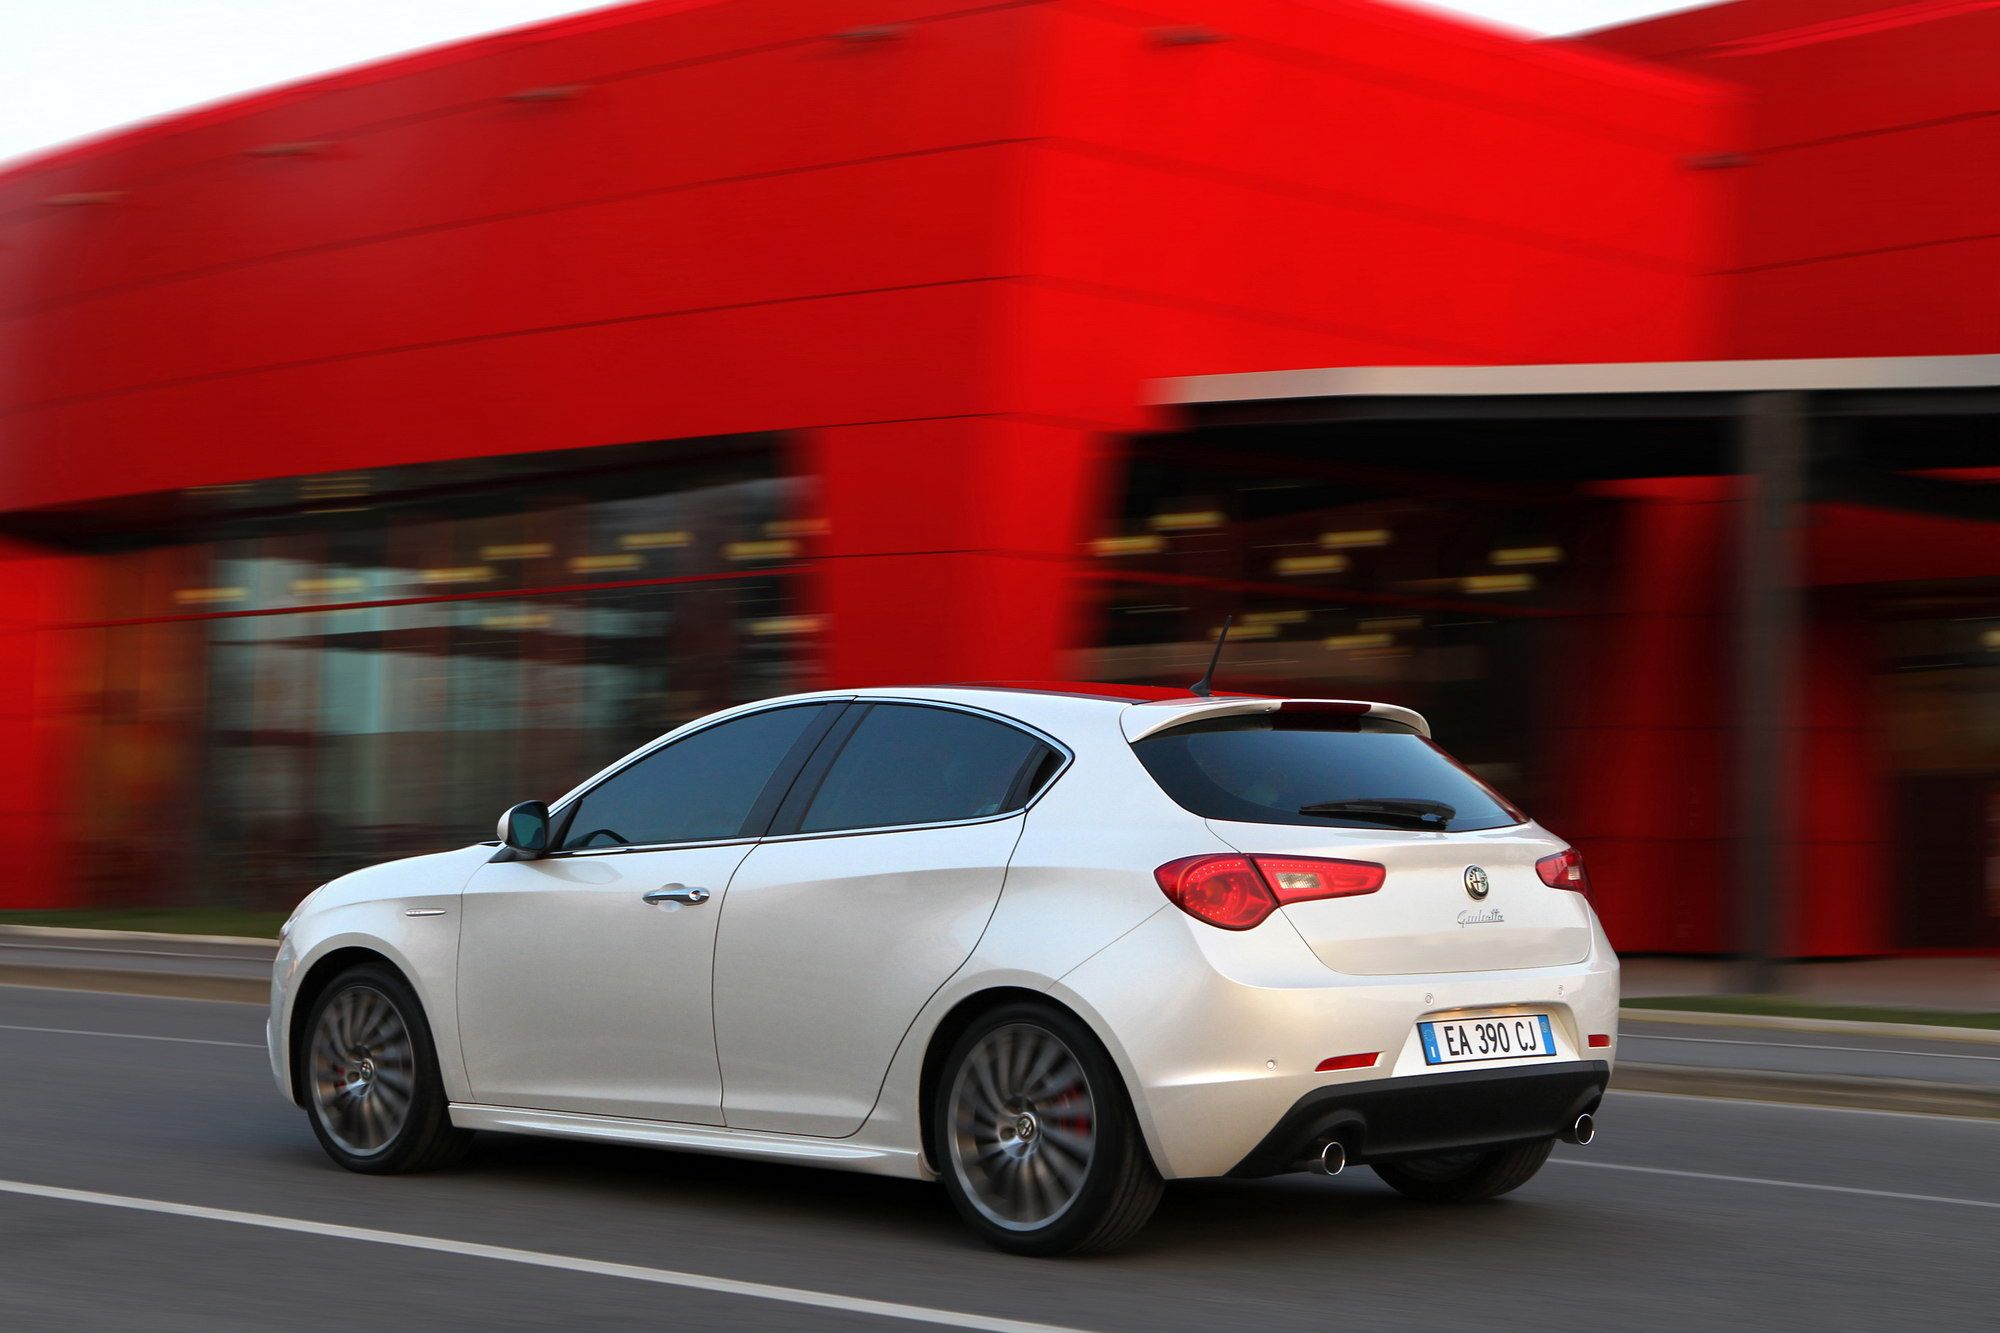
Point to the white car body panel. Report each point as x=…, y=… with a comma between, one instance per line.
x=835, y=959
x=576, y=995
x=828, y=948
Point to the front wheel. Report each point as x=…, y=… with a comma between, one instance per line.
x=1041, y=1152
x=373, y=1094
x=1465, y=1177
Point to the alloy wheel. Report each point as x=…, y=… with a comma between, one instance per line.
x=1023, y=1127
x=363, y=1070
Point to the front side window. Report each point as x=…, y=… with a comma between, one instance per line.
x=704, y=787
x=1269, y=768
x=907, y=764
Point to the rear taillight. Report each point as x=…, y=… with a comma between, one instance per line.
x=1565, y=870
x=1238, y=892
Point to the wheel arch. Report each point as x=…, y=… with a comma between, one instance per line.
x=312, y=985
x=959, y=1019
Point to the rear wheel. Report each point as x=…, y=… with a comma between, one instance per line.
x=1466, y=1177
x=1041, y=1152
x=372, y=1089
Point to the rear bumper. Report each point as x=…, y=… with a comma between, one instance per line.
x=1432, y=1113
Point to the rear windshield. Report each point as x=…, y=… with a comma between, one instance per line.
x=1365, y=772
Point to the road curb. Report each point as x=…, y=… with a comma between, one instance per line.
x=1832, y=1027
x=1869, y=1094
x=51, y=933
x=172, y=985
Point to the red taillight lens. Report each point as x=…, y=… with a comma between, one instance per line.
x=1224, y=891
x=1564, y=870
x=1238, y=892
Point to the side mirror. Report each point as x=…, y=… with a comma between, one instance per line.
x=525, y=830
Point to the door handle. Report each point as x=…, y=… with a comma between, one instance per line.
x=676, y=893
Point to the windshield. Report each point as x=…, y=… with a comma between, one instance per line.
x=1267, y=768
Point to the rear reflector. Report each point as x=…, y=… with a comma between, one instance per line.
x=1565, y=870
x=1359, y=1061
x=1600, y=1039
x=1238, y=892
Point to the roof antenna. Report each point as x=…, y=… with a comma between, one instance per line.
x=1202, y=686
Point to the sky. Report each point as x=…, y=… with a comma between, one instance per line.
x=73, y=68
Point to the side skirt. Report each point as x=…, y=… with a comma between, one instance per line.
x=838, y=1154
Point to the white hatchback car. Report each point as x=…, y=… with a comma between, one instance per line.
x=1051, y=943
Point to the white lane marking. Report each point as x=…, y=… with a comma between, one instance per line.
x=1809, y=1046
x=665, y=1277
x=1783, y=1184
x=1806, y=1106
x=131, y=1036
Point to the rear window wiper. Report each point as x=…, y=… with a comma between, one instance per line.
x=1412, y=812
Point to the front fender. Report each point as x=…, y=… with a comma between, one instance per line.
x=371, y=911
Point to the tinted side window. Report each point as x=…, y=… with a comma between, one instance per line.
x=702, y=787
x=910, y=765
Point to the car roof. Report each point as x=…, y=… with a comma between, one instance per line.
x=1142, y=710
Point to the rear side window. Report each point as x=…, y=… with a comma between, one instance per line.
x=704, y=787
x=906, y=764
x=1348, y=772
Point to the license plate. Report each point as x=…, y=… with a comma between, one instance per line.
x=1450, y=1041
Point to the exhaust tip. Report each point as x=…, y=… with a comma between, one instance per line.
x=1583, y=1131
x=1332, y=1159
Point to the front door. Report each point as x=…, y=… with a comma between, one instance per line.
x=584, y=978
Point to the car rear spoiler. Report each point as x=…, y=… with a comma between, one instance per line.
x=1143, y=720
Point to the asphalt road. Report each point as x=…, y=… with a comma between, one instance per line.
x=1685, y=1213
x=1903, y=1056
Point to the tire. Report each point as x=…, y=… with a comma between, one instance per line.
x=1037, y=1142
x=370, y=1077
x=1466, y=1177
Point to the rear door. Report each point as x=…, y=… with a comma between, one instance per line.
x=880, y=877
x=1461, y=893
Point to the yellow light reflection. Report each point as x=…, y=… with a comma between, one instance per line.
x=457, y=574
x=321, y=587
x=1192, y=520
x=1488, y=583
x=1140, y=545
x=655, y=541
x=1527, y=555
x=209, y=596
x=774, y=625
x=517, y=551
x=604, y=564
x=1294, y=565
x=1337, y=541
x=772, y=550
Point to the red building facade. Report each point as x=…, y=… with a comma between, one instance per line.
x=897, y=280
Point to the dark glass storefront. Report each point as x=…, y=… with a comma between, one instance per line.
x=291, y=679
x=1449, y=595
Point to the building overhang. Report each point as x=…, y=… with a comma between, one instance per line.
x=1612, y=378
